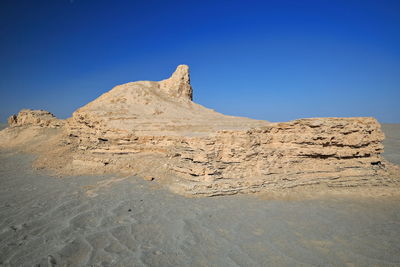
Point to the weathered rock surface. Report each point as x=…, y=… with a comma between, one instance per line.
x=152, y=109
x=333, y=151
x=39, y=118
x=153, y=129
x=178, y=85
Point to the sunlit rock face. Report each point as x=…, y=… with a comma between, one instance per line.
x=153, y=129
x=178, y=85
x=41, y=118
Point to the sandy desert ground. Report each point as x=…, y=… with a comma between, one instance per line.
x=126, y=221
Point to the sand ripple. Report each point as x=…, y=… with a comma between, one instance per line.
x=105, y=221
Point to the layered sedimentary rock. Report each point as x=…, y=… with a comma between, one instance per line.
x=155, y=130
x=333, y=151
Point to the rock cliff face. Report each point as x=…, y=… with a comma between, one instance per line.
x=153, y=129
x=331, y=151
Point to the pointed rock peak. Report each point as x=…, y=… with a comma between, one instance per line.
x=178, y=85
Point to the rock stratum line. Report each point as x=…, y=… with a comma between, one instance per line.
x=154, y=130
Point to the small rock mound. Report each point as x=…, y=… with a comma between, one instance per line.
x=40, y=118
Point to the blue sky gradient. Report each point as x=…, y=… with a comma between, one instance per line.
x=273, y=60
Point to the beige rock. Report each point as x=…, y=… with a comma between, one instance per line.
x=12, y=120
x=149, y=178
x=153, y=129
x=40, y=118
x=178, y=85
x=148, y=108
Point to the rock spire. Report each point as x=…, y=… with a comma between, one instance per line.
x=178, y=85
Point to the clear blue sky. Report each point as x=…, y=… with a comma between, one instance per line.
x=273, y=60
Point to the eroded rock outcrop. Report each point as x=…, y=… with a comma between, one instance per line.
x=40, y=118
x=331, y=151
x=178, y=85
x=153, y=129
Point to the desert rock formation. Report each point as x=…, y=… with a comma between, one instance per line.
x=178, y=85
x=153, y=129
x=40, y=118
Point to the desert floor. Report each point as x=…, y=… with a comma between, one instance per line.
x=126, y=221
